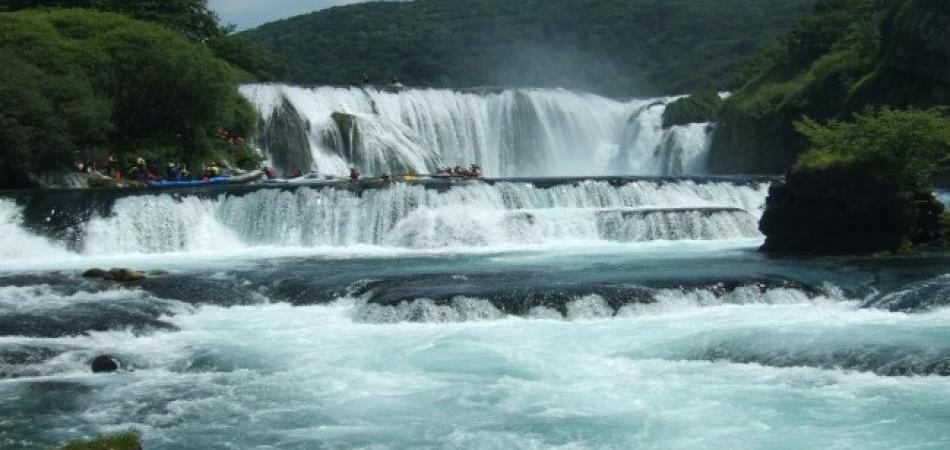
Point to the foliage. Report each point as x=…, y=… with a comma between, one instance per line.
x=699, y=107
x=906, y=146
x=118, y=441
x=835, y=62
x=617, y=47
x=192, y=19
x=98, y=83
x=864, y=186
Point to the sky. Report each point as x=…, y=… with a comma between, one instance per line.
x=251, y=13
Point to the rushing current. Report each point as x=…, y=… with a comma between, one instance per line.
x=515, y=313
x=527, y=132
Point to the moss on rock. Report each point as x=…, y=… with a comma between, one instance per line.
x=696, y=108
x=350, y=132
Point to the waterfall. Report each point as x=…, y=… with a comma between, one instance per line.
x=474, y=214
x=412, y=217
x=523, y=132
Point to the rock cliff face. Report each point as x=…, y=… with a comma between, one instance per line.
x=922, y=44
x=915, y=65
x=847, y=211
x=910, y=67
x=284, y=140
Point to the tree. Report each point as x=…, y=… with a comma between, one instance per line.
x=97, y=83
x=907, y=146
x=189, y=18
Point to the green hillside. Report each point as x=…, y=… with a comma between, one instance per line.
x=617, y=47
x=845, y=56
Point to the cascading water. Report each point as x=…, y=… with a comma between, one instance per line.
x=526, y=132
x=413, y=217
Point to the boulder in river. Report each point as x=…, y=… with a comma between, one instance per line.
x=95, y=273
x=120, y=275
x=104, y=364
x=125, y=275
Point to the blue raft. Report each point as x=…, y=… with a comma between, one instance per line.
x=178, y=183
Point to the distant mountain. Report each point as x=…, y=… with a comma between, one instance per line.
x=614, y=47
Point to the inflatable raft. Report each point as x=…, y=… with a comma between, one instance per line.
x=234, y=179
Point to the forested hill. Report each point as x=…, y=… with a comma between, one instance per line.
x=845, y=56
x=616, y=47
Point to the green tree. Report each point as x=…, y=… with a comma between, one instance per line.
x=192, y=19
x=97, y=83
x=907, y=146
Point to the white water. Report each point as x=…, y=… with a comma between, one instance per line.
x=310, y=377
x=15, y=241
x=475, y=215
x=529, y=132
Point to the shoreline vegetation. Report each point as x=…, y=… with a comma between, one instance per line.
x=122, y=80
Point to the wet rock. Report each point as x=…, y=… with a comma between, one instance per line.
x=119, y=275
x=104, y=364
x=158, y=273
x=125, y=275
x=95, y=273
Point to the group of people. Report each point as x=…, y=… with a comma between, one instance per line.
x=172, y=171
x=144, y=172
x=473, y=171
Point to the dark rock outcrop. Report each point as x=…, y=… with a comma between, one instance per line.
x=104, y=364
x=845, y=210
x=284, y=138
x=119, y=275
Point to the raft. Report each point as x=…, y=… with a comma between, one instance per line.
x=234, y=179
x=178, y=183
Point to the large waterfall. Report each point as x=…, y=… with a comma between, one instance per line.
x=524, y=132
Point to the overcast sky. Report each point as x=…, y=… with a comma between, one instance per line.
x=251, y=13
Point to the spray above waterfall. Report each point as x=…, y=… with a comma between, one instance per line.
x=524, y=132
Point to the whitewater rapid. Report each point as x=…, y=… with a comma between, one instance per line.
x=721, y=376
x=525, y=132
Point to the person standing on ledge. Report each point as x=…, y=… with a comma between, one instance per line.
x=354, y=174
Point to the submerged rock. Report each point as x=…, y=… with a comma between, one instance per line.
x=104, y=364
x=120, y=275
x=125, y=275
x=95, y=273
